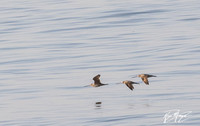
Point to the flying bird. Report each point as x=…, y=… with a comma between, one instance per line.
x=129, y=84
x=144, y=77
x=97, y=82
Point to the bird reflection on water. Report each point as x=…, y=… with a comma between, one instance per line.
x=98, y=105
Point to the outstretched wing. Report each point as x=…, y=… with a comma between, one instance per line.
x=130, y=86
x=148, y=75
x=145, y=80
x=96, y=79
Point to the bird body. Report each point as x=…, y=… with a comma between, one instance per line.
x=129, y=84
x=144, y=77
x=97, y=82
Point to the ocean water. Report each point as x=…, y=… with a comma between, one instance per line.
x=51, y=49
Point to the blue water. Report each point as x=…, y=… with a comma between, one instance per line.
x=50, y=51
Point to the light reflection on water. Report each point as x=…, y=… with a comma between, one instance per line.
x=51, y=50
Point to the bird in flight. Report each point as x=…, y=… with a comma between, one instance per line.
x=144, y=77
x=97, y=82
x=129, y=84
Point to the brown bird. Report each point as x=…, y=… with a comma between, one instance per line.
x=97, y=82
x=144, y=77
x=129, y=84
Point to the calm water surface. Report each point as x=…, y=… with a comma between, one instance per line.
x=50, y=50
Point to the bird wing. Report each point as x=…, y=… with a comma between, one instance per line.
x=148, y=75
x=130, y=86
x=96, y=79
x=145, y=80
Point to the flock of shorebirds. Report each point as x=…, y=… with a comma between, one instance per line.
x=129, y=84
